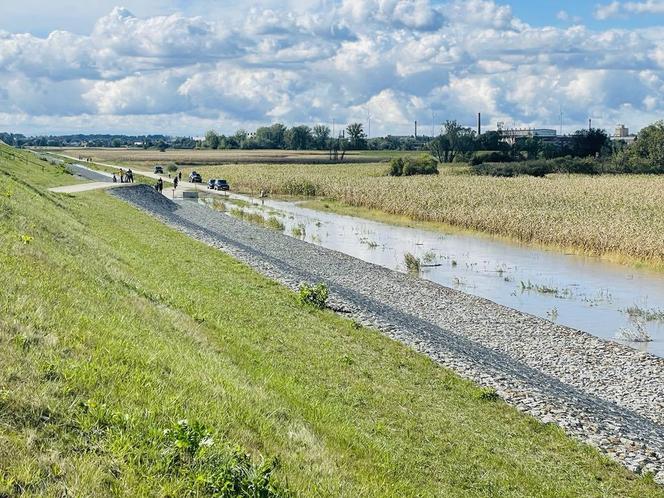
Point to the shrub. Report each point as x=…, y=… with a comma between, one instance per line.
x=408, y=166
x=314, y=295
x=489, y=157
x=172, y=168
x=412, y=263
x=274, y=223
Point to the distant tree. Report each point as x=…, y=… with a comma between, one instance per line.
x=491, y=140
x=116, y=142
x=240, y=138
x=649, y=144
x=532, y=146
x=321, y=135
x=271, y=137
x=589, y=142
x=299, y=138
x=453, y=140
x=440, y=148
x=357, y=139
x=211, y=139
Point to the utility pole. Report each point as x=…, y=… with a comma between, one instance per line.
x=433, y=124
x=333, y=127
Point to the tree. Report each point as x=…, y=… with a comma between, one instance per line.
x=211, y=139
x=299, y=138
x=649, y=144
x=454, y=139
x=589, y=142
x=240, y=138
x=321, y=135
x=440, y=148
x=356, y=136
x=271, y=137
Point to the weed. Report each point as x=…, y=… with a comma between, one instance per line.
x=412, y=263
x=488, y=394
x=314, y=295
x=299, y=231
x=647, y=315
x=25, y=238
x=429, y=257
x=274, y=223
x=637, y=334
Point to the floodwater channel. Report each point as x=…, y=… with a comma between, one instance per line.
x=611, y=301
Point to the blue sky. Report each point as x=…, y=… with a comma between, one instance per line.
x=181, y=67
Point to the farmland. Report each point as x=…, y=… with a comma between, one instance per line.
x=187, y=156
x=617, y=217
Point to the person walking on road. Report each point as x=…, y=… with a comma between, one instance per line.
x=180, y=176
x=160, y=185
x=175, y=183
x=130, y=176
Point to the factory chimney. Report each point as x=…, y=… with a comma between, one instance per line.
x=590, y=124
x=416, y=129
x=479, y=123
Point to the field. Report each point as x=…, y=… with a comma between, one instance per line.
x=618, y=217
x=196, y=157
x=114, y=327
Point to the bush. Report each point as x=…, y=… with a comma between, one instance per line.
x=314, y=295
x=490, y=157
x=541, y=167
x=409, y=166
x=172, y=168
x=412, y=263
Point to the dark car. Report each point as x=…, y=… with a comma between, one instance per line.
x=221, y=185
x=210, y=183
x=158, y=170
x=195, y=177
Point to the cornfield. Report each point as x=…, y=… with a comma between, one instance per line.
x=603, y=215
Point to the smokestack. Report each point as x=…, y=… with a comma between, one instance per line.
x=415, y=129
x=590, y=124
x=479, y=123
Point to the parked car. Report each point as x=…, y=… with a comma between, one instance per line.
x=210, y=183
x=158, y=170
x=221, y=185
x=195, y=177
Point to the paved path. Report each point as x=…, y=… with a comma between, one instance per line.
x=84, y=187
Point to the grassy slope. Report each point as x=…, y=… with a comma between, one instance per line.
x=107, y=305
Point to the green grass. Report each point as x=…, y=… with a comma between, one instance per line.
x=113, y=327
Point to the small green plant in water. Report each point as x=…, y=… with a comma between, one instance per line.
x=412, y=263
x=314, y=295
x=274, y=223
x=299, y=231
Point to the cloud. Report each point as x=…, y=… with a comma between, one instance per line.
x=323, y=60
x=618, y=9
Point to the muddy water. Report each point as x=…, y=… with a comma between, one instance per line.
x=581, y=292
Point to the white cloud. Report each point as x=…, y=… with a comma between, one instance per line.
x=324, y=60
x=618, y=9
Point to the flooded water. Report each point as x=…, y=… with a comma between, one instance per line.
x=584, y=293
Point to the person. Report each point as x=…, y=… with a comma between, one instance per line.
x=175, y=183
x=130, y=176
x=180, y=176
x=121, y=176
x=160, y=185
x=115, y=180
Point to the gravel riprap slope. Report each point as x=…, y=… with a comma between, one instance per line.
x=601, y=392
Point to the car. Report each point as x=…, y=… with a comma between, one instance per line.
x=221, y=185
x=158, y=170
x=195, y=177
x=210, y=183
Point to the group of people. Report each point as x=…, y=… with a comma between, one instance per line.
x=159, y=186
x=125, y=177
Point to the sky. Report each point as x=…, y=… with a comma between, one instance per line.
x=181, y=67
